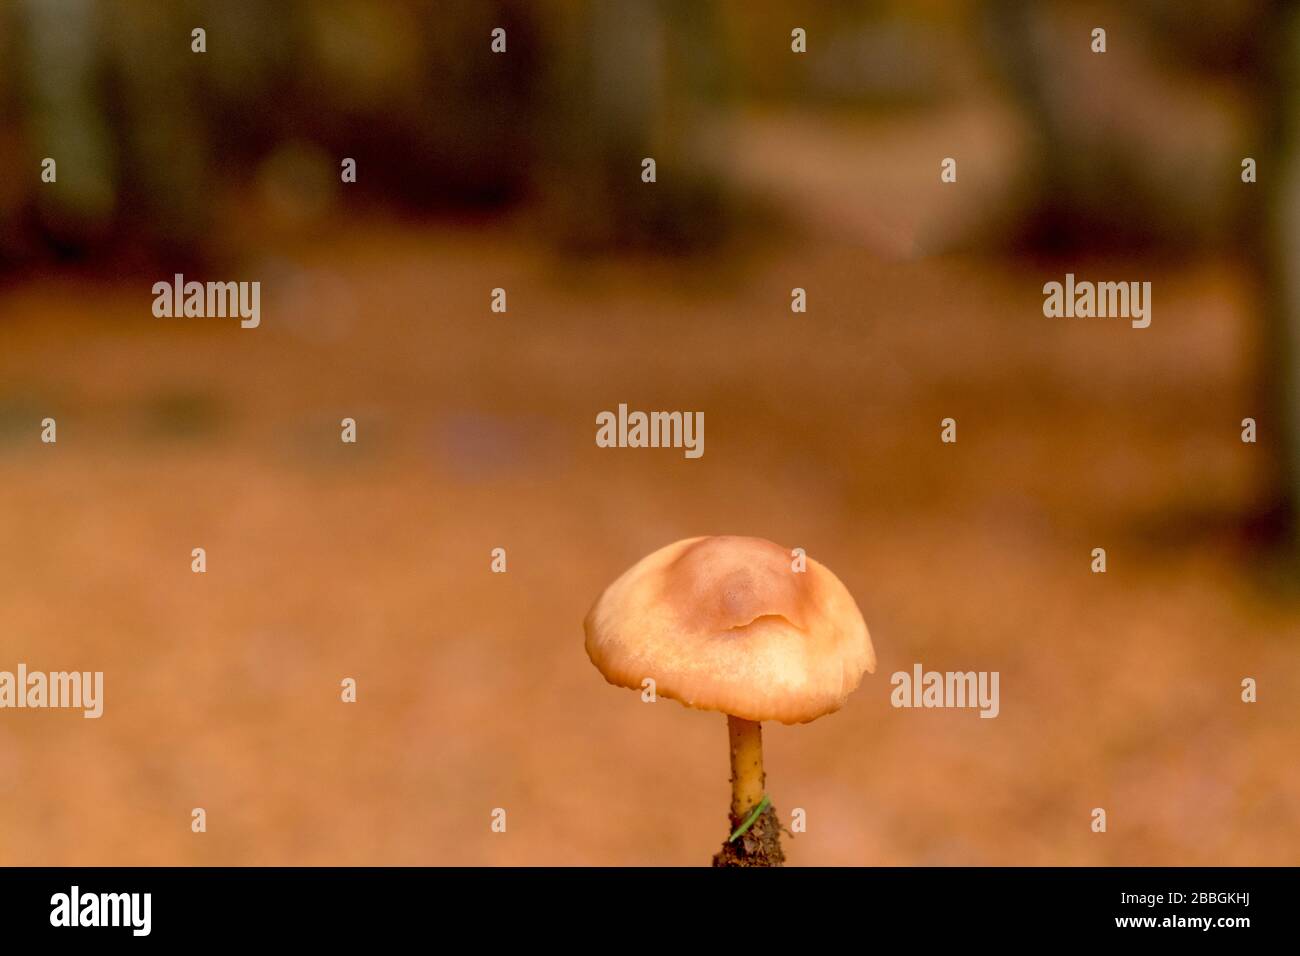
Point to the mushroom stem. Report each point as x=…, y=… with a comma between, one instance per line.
x=755, y=832
x=747, y=777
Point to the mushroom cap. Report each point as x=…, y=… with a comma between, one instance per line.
x=724, y=623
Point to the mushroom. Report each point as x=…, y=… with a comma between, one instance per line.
x=726, y=623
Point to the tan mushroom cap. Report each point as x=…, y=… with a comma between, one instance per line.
x=724, y=623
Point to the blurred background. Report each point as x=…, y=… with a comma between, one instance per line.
x=521, y=170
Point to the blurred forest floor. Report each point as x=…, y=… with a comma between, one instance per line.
x=476, y=430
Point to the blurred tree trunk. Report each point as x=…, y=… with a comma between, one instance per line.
x=64, y=121
x=638, y=79
x=1276, y=237
x=1017, y=52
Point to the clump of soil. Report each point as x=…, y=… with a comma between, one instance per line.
x=760, y=845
